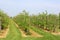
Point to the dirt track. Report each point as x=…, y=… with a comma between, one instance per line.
x=4, y=33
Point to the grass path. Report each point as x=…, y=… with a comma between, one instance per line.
x=47, y=36
x=14, y=33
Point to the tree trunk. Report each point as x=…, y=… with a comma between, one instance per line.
x=0, y=25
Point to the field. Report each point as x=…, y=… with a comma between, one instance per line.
x=29, y=27
x=15, y=34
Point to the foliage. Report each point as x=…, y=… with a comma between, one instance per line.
x=4, y=19
x=42, y=20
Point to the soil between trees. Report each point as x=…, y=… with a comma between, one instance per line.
x=4, y=33
x=33, y=33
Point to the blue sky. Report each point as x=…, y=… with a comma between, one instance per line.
x=14, y=7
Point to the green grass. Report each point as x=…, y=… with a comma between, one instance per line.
x=47, y=36
x=15, y=34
